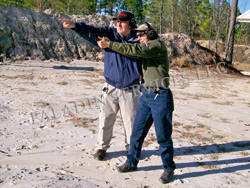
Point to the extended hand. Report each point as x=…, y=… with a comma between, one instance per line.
x=67, y=24
x=103, y=42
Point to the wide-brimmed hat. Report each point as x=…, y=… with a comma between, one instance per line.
x=146, y=26
x=124, y=16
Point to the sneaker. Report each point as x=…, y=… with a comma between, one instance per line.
x=126, y=168
x=100, y=154
x=166, y=177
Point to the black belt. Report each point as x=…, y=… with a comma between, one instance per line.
x=153, y=89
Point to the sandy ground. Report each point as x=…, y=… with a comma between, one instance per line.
x=49, y=125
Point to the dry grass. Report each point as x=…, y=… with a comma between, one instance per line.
x=221, y=68
x=242, y=66
x=219, y=137
x=41, y=104
x=84, y=104
x=82, y=121
x=204, y=115
x=177, y=124
x=189, y=95
x=181, y=62
x=87, y=81
x=244, y=153
x=146, y=143
x=198, y=134
x=224, y=120
x=203, y=165
x=189, y=127
x=206, y=96
x=93, y=130
x=223, y=103
x=150, y=139
x=99, y=72
x=62, y=83
x=214, y=157
x=179, y=98
x=198, y=137
x=100, y=80
x=201, y=126
x=197, y=96
x=42, y=78
x=22, y=89
x=233, y=95
x=30, y=83
x=25, y=77
x=190, y=65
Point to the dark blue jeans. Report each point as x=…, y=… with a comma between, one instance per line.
x=158, y=110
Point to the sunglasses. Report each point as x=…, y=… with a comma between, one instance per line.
x=140, y=34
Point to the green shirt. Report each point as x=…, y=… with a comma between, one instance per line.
x=154, y=57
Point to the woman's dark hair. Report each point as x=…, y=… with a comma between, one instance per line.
x=152, y=35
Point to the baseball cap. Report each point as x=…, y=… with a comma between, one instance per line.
x=124, y=16
x=146, y=27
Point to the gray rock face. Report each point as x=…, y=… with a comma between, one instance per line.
x=35, y=35
x=185, y=52
x=182, y=49
x=32, y=35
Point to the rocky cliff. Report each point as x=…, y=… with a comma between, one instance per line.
x=26, y=34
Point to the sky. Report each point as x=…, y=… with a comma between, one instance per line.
x=244, y=5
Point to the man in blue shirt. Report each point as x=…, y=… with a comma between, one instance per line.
x=122, y=74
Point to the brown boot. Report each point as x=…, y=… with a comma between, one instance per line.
x=100, y=154
x=126, y=168
x=166, y=177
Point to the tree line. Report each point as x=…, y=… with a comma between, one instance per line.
x=200, y=19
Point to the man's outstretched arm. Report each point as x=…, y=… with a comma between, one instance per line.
x=68, y=24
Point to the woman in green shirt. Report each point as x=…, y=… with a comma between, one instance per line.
x=156, y=103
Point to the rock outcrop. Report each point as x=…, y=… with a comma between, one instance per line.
x=185, y=52
x=26, y=34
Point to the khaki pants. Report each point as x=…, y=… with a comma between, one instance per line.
x=113, y=100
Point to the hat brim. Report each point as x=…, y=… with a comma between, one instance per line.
x=136, y=29
x=141, y=28
x=120, y=18
x=144, y=27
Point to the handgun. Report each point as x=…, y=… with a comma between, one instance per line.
x=96, y=35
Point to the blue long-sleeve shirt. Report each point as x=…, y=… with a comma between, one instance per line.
x=119, y=71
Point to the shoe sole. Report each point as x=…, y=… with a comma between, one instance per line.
x=98, y=158
x=129, y=170
x=165, y=182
